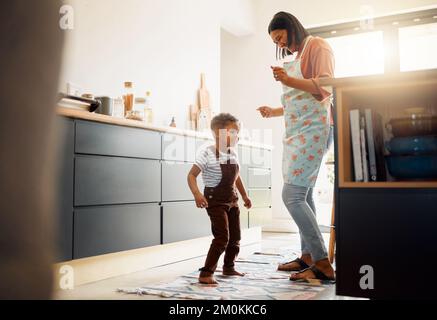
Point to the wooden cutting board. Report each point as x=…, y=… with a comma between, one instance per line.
x=204, y=101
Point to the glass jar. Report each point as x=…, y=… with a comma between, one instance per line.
x=128, y=96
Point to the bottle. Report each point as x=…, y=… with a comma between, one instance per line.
x=148, y=111
x=173, y=123
x=128, y=97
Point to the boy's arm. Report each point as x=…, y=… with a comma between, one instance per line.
x=242, y=190
x=201, y=201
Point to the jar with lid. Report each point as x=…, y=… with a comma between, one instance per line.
x=128, y=96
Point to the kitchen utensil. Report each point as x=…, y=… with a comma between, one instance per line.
x=94, y=104
x=107, y=106
x=415, y=125
x=413, y=145
x=203, y=93
x=412, y=167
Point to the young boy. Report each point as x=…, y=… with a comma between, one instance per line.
x=220, y=171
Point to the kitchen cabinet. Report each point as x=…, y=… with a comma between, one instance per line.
x=380, y=224
x=255, y=157
x=124, y=186
x=259, y=178
x=184, y=221
x=261, y=198
x=178, y=147
x=110, y=140
x=174, y=181
x=108, y=180
x=108, y=229
x=64, y=218
x=258, y=216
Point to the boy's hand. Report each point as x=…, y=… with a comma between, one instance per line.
x=247, y=202
x=201, y=201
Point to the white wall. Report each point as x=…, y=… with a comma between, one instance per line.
x=247, y=82
x=160, y=45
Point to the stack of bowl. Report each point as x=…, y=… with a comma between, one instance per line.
x=413, y=150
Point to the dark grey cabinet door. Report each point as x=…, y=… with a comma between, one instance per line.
x=259, y=178
x=261, y=198
x=107, y=180
x=64, y=216
x=178, y=148
x=174, y=181
x=105, y=139
x=103, y=230
x=184, y=221
x=377, y=228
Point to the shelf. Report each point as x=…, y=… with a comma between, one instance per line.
x=389, y=99
x=390, y=185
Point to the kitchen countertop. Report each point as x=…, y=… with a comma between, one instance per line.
x=83, y=115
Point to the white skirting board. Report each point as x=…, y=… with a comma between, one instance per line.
x=83, y=271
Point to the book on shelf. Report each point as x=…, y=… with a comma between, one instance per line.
x=364, y=149
x=367, y=145
x=375, y=139
x=356, y=145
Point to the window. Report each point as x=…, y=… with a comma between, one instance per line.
x=358, y=54
x=418, y=47
x=390, y=44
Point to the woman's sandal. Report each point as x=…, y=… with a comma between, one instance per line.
x=300, y=262
x=319, y=275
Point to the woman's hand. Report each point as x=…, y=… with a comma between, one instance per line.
x=266, y=112
x=280, y=74
x=201, y=201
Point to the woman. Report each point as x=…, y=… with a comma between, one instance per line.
x=306, y=108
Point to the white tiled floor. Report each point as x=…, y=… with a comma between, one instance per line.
x=106, y=289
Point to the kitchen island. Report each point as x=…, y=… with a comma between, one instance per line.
x=386, y=230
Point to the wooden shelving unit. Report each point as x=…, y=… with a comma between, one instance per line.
x=381, y=224
x=389, y=98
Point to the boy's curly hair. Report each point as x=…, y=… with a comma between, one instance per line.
x=222, y=120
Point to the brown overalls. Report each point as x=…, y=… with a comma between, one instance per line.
x=225, y=220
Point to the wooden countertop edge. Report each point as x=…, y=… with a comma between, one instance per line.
x=83, y=115
x=424, y=75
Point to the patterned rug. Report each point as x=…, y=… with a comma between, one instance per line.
x=262, y=282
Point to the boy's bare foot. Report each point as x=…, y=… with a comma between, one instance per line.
x=233, y=273
x=207, y=280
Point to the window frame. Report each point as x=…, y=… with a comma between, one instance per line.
x=389, y=25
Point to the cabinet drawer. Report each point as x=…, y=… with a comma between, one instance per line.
x=261, y=198
x=178, y=148
x=103, y=230
x=259, y=217
x=259, y=178
x=174, y=181
x=104, y=139
x=184, y=221
x=255, y=157
x=106, y=180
